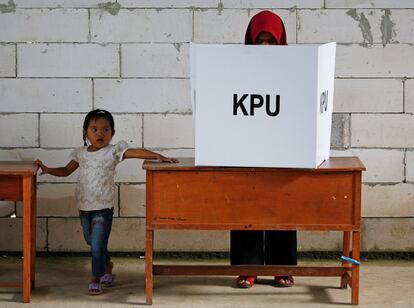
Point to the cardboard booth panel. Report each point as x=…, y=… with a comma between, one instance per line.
x=326, y=73
x=262, y=106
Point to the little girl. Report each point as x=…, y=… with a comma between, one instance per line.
x=96, y=192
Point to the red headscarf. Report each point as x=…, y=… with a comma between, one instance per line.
x=266, y=21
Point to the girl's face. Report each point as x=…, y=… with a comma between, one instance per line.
x=99, y=133
x=265, y=38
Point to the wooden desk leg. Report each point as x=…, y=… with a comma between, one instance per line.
x=27, y=227
x=33, y=233
x=356, y=238
x=149, y=240
x=345, y=252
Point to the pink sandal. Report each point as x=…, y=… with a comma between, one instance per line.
x=246, y=281
x=284, y=281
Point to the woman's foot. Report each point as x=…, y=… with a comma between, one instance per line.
x=246, y=281
x=284, y=281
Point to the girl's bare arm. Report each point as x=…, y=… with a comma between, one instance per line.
x=146, y=154
x=59, y=171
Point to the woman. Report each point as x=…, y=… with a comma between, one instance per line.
x=264, y=247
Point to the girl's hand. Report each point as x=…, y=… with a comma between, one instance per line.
x=167, y=159
x=44, y=169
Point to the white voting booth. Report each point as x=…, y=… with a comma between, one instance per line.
x=262, y=106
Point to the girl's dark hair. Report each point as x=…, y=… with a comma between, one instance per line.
x=96, y=114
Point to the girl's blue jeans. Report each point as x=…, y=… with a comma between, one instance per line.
x=96, y=227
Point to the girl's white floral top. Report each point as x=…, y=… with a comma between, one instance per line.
x=96, y=189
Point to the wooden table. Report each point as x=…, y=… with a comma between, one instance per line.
x=18, y=183
x=183, y=196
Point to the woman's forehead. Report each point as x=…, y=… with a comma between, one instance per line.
x=265, y=34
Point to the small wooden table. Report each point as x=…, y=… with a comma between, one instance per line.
x=18, y=183
x=183, y=196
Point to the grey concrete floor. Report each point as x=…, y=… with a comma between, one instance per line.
x=62, y=282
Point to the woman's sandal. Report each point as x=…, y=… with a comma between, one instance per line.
x=94, y=288
x=284, y=281
x=246, y=281
x=107, y=280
